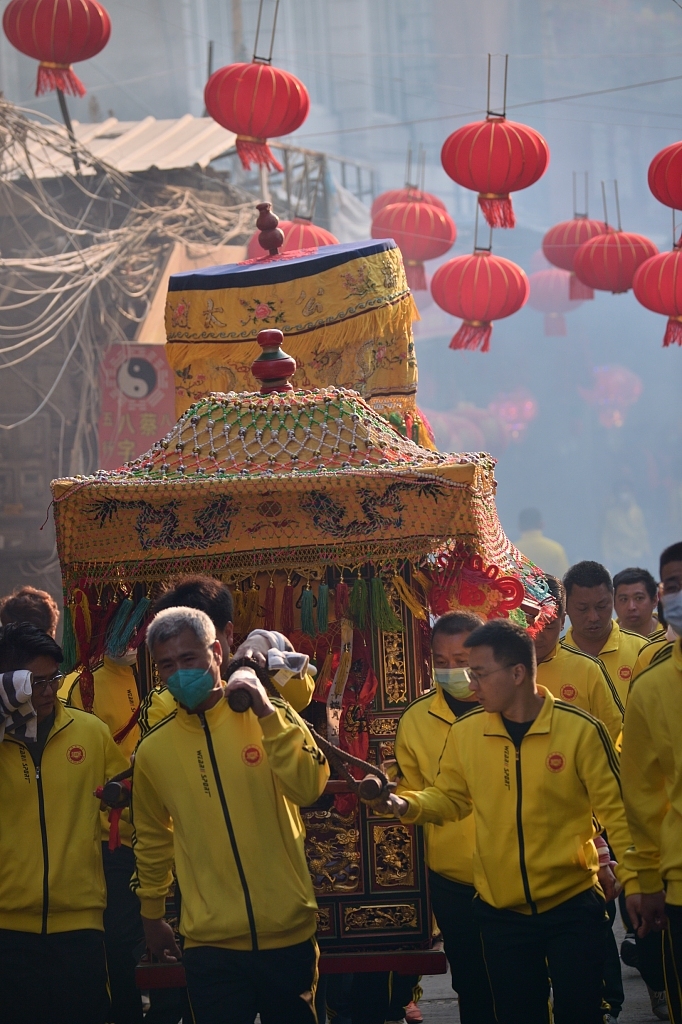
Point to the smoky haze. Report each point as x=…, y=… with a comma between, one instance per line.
x=387, y=74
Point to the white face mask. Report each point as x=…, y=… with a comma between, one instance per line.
x=672, y=610
x=455, y=681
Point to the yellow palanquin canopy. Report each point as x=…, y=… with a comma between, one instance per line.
x=253, y=482
x=346, y=313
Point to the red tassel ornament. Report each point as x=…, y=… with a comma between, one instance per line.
x=287, y=614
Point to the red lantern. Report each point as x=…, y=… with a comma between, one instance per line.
x=657, y=284
x=405, y=195
x=258, y=102
x=550, y=294
x=608, y=262
x=665, y=176
x=299, y=233
x=479, y=288
x=495, y=157
x=57, y=33
x=421, y=231
x=562, y=242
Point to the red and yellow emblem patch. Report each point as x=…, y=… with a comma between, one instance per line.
x=252, y=755
x=624, y=671
x=76, y=754
x=568, y=692
x=556, y=762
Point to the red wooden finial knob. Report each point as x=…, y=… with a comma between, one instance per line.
x=273, y=366
x=270, y=237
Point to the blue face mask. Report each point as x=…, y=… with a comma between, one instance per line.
x=454, y=681
x=191, y=686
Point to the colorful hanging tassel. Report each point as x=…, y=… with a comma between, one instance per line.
x=251, y=610
x=238, y=598
x=497, y=210
x=82, y=624
x=324, y=677
x=269, y=607
x=383, y=616
x=341, y=599
x=408, y=597
x=307, y=621
x=323, y=608
x=115, y=631
x=69, y=645
x=126, y=634
x=472, y=335
x=359, y=602
x=287, y=612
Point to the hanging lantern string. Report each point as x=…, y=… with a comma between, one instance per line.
x=615, y=189
x=477, y=247
x=492, y=113
x=603, y=199
x=586, y=214
x=268, y=59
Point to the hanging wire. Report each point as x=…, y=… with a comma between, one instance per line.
x=489, y=111
x=615, y=189
x=477, y=247
x=99, y=269
x=603, y=199
x=577, y=215
x=268, y=59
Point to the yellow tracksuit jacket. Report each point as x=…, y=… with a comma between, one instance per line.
x=618, y=656
x=160, y=702
x=652, y=775
x=219, y=795
x=533, y=808
x=116, y=700
x=422, y=734
x=51, y=877
x=649, y=653
x=580, y=680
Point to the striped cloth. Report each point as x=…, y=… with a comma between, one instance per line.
x=16, y=711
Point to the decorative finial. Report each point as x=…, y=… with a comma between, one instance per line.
x=273, y=366
x=270, y=237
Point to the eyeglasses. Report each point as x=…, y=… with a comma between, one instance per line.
x=43, y=682
x=475, y=677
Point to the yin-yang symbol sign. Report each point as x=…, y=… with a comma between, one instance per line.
x=136, y=378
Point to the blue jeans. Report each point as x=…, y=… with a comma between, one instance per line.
x=230, y=986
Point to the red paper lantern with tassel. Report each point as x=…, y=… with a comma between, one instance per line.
x=550, y=294
x=665, y=176
x=495, y=157
x=421, y=231
x=479, y=288
x=299, y=233
x=657, y=284
x=608, y=262
x=57, y=33
x=562, y=242
x=257, y=102
x=408, y=194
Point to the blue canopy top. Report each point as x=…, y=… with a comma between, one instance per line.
x=287, y=266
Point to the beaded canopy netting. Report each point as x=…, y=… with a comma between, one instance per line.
x=281, y=490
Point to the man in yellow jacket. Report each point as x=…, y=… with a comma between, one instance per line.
x=652, y=786
x=218, y=794
x=52, y=890
x=535, y=771
x=589, y=603
x=214, y=598
x=572, y=676
x=116, y=704
x=422, y=734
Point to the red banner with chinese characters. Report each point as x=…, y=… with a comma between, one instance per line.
x=138, y=402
